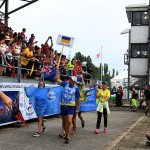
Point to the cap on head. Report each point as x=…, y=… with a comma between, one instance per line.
x=104, y=83
x=7, y=38
x=74, y=78
x=79, y=83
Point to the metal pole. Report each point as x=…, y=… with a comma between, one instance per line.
x=129, y=55
x=101, y=64
x=148, y=71
x=6, y=12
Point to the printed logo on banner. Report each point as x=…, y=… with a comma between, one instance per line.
x=51, y=96
x=85, y=95
x=28, y=107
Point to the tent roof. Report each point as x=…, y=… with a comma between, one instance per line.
x=122, y=75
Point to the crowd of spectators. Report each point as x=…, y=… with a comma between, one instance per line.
x=19, y=52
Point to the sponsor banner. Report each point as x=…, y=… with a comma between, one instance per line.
x=25, y=96
x=88, y=100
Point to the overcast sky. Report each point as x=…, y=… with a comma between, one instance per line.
x=93, y=23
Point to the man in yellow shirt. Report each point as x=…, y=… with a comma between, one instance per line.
x=26, y=56
x=103, y=96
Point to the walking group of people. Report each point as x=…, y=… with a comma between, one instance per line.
x=70, y=107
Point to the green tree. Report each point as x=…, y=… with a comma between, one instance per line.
x=105, y=69
x=96, y=71
x=117, y=72
x=113, y=73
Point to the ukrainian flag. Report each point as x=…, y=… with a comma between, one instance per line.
x=65, y=40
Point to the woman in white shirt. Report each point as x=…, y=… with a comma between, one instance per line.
x=3, y=50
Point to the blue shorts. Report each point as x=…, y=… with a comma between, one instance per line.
x=67, y=110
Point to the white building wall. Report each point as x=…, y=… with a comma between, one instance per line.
x=139, y=34
x=138, y=66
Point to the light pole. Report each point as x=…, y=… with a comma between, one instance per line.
x=149, y=45
x=128, y=30
x=101, y=63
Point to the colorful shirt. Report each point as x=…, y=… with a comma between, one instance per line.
x=102, y=94
x=71, y=94
x=24, y=60
x=82, y=92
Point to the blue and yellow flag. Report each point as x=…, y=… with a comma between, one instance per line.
x=65, y=40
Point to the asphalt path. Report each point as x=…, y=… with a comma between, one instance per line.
x=21, y=138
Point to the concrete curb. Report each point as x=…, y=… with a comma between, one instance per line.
x=119, y=138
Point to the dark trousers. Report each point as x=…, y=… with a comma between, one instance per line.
x=99, y=114
x=119, y=100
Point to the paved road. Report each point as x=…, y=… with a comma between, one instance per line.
x=13, y=138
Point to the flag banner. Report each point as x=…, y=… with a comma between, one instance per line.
x=65, y=40
x=49, y=99
x=7, y=115
x=88, y=100
x=49, y=72
x=45, y=101
x=98, y=56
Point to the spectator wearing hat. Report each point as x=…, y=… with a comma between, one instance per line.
x=9, y=58
x=69, y=103
x=103, y=96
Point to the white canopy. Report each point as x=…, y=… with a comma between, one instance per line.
x=119, y=79
x=121, y=76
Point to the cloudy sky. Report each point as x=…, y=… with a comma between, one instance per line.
x=93, y=23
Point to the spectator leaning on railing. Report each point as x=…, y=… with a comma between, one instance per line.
x=4, y=49
x=33, y=58
x=16, y=52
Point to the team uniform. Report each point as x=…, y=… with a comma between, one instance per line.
x=70, y=96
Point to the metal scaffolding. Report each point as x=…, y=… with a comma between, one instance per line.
x=6, y=12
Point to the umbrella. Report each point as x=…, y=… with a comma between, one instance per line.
x=19, y=116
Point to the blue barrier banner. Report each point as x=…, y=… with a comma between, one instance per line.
x=88, y=100
x=7, y=115
x=46, y=101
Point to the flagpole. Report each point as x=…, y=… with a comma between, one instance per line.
x=70, y=54
x=101, y=63
x=60, y=56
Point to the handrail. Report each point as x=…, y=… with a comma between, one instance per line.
x=19, y=66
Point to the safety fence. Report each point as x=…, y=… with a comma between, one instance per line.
x=13, y=67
